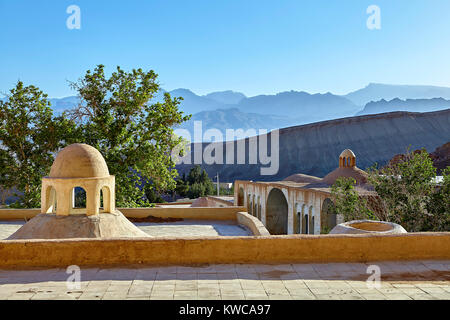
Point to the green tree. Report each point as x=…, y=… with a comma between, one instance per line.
x=199, y=183
x=439, y=206
x=406, y=189
x=135, y=136
x=152, y=195
x=182, y=187
x=348, y=202
x=29, y=137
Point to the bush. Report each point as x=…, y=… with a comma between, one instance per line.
x=410, y=195
x=348, y=202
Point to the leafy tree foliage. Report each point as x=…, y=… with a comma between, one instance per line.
x=410, y=194
x=29, y=137
x=134, y=136
x=439, y=205
x=152, y=195
x=196, y=184
x=347, y=201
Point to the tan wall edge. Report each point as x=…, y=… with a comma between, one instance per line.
x=256, y=226
x=274, y=249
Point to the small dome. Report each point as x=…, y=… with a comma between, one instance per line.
x=79, y=160
x=350, y=172
x=303, y=178
x=347, y=153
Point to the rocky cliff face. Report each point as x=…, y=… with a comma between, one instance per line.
x=314, y=149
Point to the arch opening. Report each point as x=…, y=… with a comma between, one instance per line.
x=276, y=212
x=311, y=220
x=240, y=197
x=328, y=219
x=50, y=200
x=79, y=200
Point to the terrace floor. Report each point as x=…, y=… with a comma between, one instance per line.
x=417, y=280
x=185, y=228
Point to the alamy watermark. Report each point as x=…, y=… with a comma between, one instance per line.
x=374, y=20
x=374, y=280
x=236, y=146
x=74, y=20
x=73, y=282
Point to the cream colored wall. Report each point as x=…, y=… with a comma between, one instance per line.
x=311, y=198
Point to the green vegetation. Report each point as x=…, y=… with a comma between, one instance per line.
x=410, y=195
x=196, y=184
x=114, y=115
x=29, y=137
x=347, y=201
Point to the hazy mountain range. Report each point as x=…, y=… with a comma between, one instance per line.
x=233, y=110
x=377, y=91
x=314, y=149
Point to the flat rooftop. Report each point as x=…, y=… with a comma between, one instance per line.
x=184, y=228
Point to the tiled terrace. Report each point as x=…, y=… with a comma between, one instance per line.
x=418, y=280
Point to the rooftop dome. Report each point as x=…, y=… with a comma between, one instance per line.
x=79, y=160
x=350, y=172
x=303, y=178
x=347, y=168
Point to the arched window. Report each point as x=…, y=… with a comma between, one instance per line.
x=79, y=200
x=50, y=200
x=304, y=220
x=259, y=208
x=311, y=220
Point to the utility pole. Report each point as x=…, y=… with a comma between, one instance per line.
x=218, y=186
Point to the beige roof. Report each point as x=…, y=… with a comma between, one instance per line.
x=354, y=172
x=79, y=161
x=303, y=178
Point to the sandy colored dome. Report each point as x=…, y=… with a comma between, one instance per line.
x=303, y=178
x=354, y=172
x=347, y=153
x=79, y=160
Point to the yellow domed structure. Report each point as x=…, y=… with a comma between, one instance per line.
x=347, y=168
x=347, y=159
x=79, y=160
x=78, y=165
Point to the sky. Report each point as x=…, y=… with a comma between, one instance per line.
x=250, y=46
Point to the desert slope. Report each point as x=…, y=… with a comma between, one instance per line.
x=314, y=148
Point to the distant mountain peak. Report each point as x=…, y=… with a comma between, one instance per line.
x=226, y=97
x=378, y=91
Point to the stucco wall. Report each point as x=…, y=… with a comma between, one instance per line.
x=310, y=199
x=274, y=249
x=252, y=223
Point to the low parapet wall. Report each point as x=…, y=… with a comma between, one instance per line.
x=237, y=214
x=202, y=213
x=199, y=213
x=186, y=251
x=256, y=226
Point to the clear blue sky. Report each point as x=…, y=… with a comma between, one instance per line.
x=252, y=46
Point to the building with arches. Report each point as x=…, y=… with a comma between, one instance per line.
x=300, y=204
x=78, y=166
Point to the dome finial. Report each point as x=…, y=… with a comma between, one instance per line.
x=347, y=159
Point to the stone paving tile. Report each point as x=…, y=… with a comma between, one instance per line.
x=231, y=282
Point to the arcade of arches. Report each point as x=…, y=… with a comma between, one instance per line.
x=300, y=204
x=287, y=209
